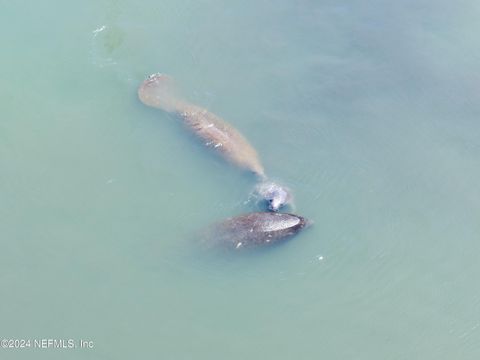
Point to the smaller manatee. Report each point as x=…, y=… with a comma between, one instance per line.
x=255, y=229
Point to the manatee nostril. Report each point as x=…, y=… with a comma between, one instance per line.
x=270, y=205
x=273, y=205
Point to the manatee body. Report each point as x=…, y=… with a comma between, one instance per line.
x=256, y=229
x=156, y=91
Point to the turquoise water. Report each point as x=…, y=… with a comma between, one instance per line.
x=367, y=110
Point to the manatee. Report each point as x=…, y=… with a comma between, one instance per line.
x=157, y=91
x=255, y=229
x=211, y=129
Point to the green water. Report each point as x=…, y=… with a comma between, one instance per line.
x=369, y=111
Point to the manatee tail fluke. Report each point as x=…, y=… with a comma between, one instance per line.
x=158, y=91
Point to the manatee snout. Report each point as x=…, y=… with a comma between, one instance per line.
x=275, y=195
x=278, y=200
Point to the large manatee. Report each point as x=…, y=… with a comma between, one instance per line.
x=255, y=229
x=156, y=91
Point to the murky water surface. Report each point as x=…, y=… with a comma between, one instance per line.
x=369, y=111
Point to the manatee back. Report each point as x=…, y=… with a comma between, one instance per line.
x=255, y=229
